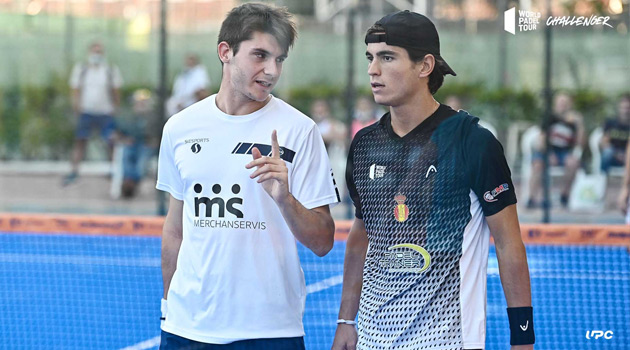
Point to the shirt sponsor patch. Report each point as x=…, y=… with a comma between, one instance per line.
x=491, y=196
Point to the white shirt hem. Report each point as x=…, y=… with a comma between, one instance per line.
x=210, y=339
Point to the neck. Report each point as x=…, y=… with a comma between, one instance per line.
x=235, y=103
x=408, y=116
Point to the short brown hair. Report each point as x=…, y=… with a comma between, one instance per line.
x=242, y=21
x=436, y=78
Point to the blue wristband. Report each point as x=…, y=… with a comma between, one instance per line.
x=521, y=325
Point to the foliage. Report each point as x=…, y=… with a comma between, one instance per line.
x=37, y=123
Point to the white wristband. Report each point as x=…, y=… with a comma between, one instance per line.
x=350, y=322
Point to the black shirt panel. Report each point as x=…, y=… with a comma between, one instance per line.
x=490, y=176
x=618, y=133
x=352, y=189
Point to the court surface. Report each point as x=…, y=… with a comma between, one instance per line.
x=103, y=292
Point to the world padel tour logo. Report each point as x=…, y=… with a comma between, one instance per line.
x=406, y=257
x=530, y=20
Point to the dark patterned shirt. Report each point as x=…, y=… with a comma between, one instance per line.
x=423, y=198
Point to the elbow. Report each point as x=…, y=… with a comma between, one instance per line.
x=323, y=248
x=325, y=245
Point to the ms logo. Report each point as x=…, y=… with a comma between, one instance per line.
x=219, y=203
x=196, y=148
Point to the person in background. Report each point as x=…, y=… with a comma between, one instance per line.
x=454, y=101
x=366, y=112
x=190, y=86
x=136, y=134
x=566, y=132
x=615, y=139
x=95, y=88
x=333, y=131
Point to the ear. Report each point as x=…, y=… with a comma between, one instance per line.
x=426, y=66
x=225, y=52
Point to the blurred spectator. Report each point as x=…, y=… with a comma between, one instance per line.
x=95, y=98
x=191, y=85
x=335, y=136
x=136, y=134
x=454, y=102
x=333, y=131
x=616, y=133
x=566, y=131
x=366, y=112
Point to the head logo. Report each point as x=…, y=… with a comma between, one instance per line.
x=401, y=211
x=407, y=259
x=196, y=148
x=219, y=202
x=491, y=196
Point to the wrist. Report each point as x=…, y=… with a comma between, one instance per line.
x=521, y=321
x=343, y=321
x=284, y=200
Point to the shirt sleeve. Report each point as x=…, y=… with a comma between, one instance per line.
x=168, y=177
x=312, y=181
x=75, y=77
x=352, y=189
x=488, y=171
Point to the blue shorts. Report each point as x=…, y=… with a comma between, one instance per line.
x=170, y=341
x=560, y=154
x=105, y=123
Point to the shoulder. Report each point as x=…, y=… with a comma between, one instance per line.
x=186, y=116
x=364, y=132
x=291, y=116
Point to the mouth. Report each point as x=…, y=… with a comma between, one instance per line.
x=376, y=85
x=264, y=83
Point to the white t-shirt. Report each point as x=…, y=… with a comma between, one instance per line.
x=186, y=86
x=238, y=273
x=96, y=83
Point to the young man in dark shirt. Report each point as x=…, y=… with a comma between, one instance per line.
x=429, y=186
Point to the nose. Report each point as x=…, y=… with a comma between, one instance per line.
x=272, y=68
x=373, y=68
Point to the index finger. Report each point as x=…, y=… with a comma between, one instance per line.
x=275, y=147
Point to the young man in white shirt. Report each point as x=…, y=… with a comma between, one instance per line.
x=248, y=175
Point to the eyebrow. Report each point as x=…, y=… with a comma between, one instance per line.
x=382, y=53
x=263, y=51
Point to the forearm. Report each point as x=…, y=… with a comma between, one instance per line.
x=312, y=227
x=170, y=251
x=116, y=98
x=356, y=249
x=514, y=274
x=75, y=100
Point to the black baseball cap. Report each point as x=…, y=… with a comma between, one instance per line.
x=411, y=30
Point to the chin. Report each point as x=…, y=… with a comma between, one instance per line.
x=381, y=101
x=259, y=97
